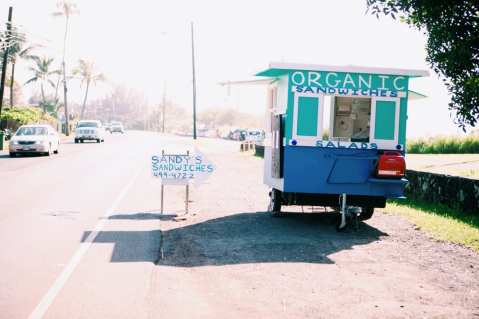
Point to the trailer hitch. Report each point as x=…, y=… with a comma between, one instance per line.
x=347, y=212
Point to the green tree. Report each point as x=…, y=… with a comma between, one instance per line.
x=42, y=74
x=87, y=74
x=17, y=51
x=452, y=29
x=65, y=9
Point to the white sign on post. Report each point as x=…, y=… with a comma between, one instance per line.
x=181, y=169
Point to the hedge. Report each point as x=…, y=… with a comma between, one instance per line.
x=15, y=116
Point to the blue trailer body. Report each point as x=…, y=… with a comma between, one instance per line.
x=336, y=171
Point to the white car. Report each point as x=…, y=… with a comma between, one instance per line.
x=116, y=127
x=30, y=139
x=89, y=130
x=255, y=135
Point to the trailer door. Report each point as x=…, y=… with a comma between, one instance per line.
x=385, y=122
x=308, y=118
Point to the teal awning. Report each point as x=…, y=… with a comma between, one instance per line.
x=413, y=95
x=272, y=72
x=280, y=68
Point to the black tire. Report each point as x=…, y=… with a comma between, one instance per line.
x=275, y=203
x=98, y=140
x=76, y=141
x=12, y=154
x=81, y=141
x=366, y=213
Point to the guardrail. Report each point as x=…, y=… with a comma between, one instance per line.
x=452, y=191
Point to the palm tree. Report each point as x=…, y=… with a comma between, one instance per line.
x=86, y=72
x=65, y=9
x=42, y=74
x=18, y=51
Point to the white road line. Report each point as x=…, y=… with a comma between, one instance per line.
x=61, y=280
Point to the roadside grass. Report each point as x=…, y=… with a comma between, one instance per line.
x=444, y=145
x=439, y=221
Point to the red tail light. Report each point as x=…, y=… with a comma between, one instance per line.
x=391, y=164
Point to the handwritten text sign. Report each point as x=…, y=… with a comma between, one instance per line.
x=181, y=168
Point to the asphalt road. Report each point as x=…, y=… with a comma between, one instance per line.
x=82, y=237
x=49, y=206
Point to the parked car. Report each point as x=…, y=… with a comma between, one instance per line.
x=29, y=139
x=107, y=127
x=116, y=127
x=89, y=130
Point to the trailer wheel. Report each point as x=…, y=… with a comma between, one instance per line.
x=366, y=213
x=275, y=203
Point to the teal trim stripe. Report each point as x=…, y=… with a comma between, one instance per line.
x=385, y=120
x=402, y=120
x=307, y=116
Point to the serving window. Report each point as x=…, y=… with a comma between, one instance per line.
x=351, y=119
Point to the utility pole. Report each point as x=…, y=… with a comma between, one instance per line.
x=158, y=128
x=65, y=90
x=163, y=109
x=194, y=80
x=5, y=57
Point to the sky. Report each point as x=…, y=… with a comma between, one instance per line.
x=146, y=45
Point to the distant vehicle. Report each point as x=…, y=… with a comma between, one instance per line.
x=89, y=130
x=107, y=127
x=255, y=135
x=238, y=135
x=202, y=132
x=29, y=139
x=116, y=127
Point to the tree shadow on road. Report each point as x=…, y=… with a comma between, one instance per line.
x=130, y=246
x=259, y=238
x=238, y=239
x=148, y=215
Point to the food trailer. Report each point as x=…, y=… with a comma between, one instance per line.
x=336, y=136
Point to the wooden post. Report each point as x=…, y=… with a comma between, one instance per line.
x=162, y=187
x=187, y=190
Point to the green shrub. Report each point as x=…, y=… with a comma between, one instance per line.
x=444, y=145
x=416, y=147
x=16, y=116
